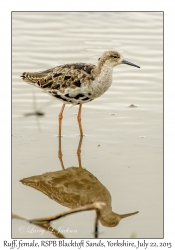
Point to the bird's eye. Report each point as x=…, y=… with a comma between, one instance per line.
x=98, y=58
x=115, y=56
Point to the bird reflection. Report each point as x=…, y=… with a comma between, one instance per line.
x=75, y=187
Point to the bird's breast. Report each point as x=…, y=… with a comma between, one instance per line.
x=102, y=82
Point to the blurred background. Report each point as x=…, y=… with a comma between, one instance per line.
x=123, y=142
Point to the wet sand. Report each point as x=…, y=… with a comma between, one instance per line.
x=122, y=146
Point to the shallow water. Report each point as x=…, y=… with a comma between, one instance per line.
x=122, y=147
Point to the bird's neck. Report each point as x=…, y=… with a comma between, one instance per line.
x=103, y=70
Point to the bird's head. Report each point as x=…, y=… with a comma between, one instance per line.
x=112, y=219
x=112, y=59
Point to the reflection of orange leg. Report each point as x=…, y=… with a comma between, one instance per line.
x=60, y=152
x=79, y=120
x=60, y=117
x=79, y=151
x=97, y=223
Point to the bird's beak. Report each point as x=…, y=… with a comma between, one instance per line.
x=129, y=63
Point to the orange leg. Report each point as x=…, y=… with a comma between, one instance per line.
x=60, y=117
x=60, y=155
x=79, y=120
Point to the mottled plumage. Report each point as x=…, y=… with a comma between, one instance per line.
x=64, y=82
x=77, y=83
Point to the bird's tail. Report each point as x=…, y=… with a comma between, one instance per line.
x=41, y=80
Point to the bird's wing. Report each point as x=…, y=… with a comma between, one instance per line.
x=61, y=77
